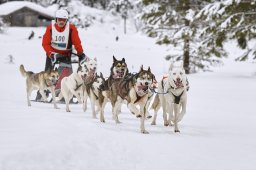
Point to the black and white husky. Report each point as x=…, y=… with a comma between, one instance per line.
x=94, y=92
x=172, y=96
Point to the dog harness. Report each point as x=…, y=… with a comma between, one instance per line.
x=78, y=86
x=177, y=98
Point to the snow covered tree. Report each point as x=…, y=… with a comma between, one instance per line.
x=104, y=3
x=122, y=7
x=232, y=19
x=173, y=24
x=61, y=3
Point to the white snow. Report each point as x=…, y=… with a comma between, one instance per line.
x=218, y=131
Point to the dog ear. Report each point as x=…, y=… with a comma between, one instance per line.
x=141, y=68
x=123, y=60
x=95, y=58
x=101, y=75
x=48, y=71
x=114, y=59
x=171, y=67
x=153, y=78
x=79, y=68
x=149, y=70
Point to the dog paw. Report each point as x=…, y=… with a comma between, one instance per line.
x=118, y=122
x=177, y=130
x=144, y=132
x=153, y=123
x=166, y=124
x=138, y=116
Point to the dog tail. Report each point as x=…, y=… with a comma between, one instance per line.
x=23, y=71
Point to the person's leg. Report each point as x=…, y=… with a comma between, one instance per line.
x=48, y=64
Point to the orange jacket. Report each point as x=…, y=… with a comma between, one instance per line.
x=73, y=40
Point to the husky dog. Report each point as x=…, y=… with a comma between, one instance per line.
x=45, y=80
x=72, y=85
x=118, y=71
x=90, y=67
x=172, y=96
x=94, y=91
x=135, y=90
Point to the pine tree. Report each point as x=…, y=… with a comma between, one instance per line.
x=173, y=24
x=232, y=20
x=122, y=7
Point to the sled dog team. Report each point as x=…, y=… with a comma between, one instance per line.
x=135, y=90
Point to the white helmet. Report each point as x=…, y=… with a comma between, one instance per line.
x=61, y=13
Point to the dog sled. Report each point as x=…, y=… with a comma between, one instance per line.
x=64, y=70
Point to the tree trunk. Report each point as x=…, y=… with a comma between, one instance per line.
x=186, y=54
x=124, y=25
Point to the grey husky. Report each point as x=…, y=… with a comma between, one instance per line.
x=45, y=80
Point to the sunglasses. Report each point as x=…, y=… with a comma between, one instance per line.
x=61, y=19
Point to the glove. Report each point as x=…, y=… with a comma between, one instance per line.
x=82, y=58
x=54, y=57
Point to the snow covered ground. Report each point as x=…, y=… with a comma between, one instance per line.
x=218, y=131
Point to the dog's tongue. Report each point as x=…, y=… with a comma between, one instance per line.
x=91, y=72
x=51, y=82
x=118, y=75
x=144, y=88
x=121, y=74
x=179, y=84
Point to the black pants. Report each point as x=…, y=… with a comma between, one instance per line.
x=48, y=64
